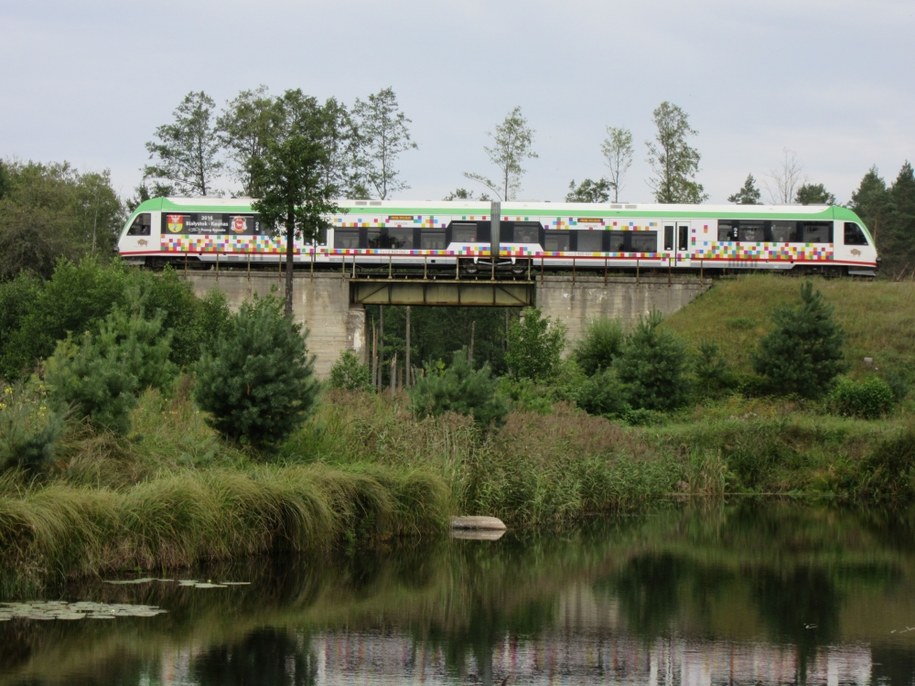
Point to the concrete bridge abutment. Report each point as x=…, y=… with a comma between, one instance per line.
x=324, y=304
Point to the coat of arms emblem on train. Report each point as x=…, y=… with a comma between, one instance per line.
x=175, y=223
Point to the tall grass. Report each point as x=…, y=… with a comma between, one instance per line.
x=59, y=530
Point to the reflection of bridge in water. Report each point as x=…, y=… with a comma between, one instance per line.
x=332, y=304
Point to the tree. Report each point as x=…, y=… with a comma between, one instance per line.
x=462, y=389
x=244, y=128
x=748, y=194
x=653, y=365
x=600, y=346
x=257, y=382
x=512, y=140
x=802, y=355
x=872, y=202
x=382, y=134
x=350, y=373
x=814, y=194
x=901, y=247
x=51, y=211
x=673, y=161
x=785, y=180
x=101, y=376
x=294, y=177
x=185, y=153
x=535, y=345
x=589, y=191
x=618, y=152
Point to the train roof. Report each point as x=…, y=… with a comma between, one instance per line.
x=520, y=209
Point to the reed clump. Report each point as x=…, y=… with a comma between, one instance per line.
x=58, y=529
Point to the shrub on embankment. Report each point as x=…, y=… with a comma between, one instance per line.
x=61, y=529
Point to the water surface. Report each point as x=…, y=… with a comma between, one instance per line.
x=748, y=594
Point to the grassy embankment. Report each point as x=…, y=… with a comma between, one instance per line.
x=364, y=470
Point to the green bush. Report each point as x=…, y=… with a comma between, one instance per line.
x=101, y=376
x=29, y=428
x=603, y=394
x=350, y=374
x=803, y=354
x=535, y=345
x=257, y=381
x=653, y=367
x=868, y=399
x=462, y=389
x=600, y=346
x=714, y=376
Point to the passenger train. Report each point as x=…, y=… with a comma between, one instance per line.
x=470, y=235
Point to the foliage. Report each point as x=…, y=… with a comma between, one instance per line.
x=653, y=366
x=49, y=212
x=604, y=394
x=257, y=381
x=601, y=344
x=79, y=295
x=885, y=477
x=100, y=376
x=350, y=373
x=185, y=153
x=382, y=134
x=294, y=176
x=589, y=191
x=459, y=388
x=29, y=428
x=870, y=398
x=673, y=161
x=512, y=144
x=748, y=194
x=618, y=151
x=243, y=128
x=803, y=354
x=814, y=194
x=714, y=376
x=535, y=344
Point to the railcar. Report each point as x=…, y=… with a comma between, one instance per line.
x=471, y=234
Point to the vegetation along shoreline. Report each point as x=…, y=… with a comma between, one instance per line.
x=117, y=453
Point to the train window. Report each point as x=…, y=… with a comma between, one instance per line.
x=854, y=234
x=589, y=241
x=346, y=239
x=668, y=238
x=556, y=241
x=784, y=232
x=432, y=240
x=401, y=237
x=815, y=232
x=751, y=231
x=142, y=225
x=618, y=241
x=526, y=233
x=374, y=238
x=464, y=232
x=644, y=241
x=727, y=230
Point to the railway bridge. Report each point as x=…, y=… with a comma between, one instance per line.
x=331, y=305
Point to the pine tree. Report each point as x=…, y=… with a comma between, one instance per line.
x=257, y=382
x=653, y=367
x=803, y=354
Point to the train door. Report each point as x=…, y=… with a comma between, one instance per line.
x=676, y=241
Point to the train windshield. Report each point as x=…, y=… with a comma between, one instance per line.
x=854, y=234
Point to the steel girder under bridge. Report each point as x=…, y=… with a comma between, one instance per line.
x=463, y=293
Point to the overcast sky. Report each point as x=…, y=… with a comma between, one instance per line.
x=832, y=82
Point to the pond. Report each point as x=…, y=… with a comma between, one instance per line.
x=754, y=593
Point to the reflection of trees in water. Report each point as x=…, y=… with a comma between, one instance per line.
x=265, y=657
x=800, y=606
